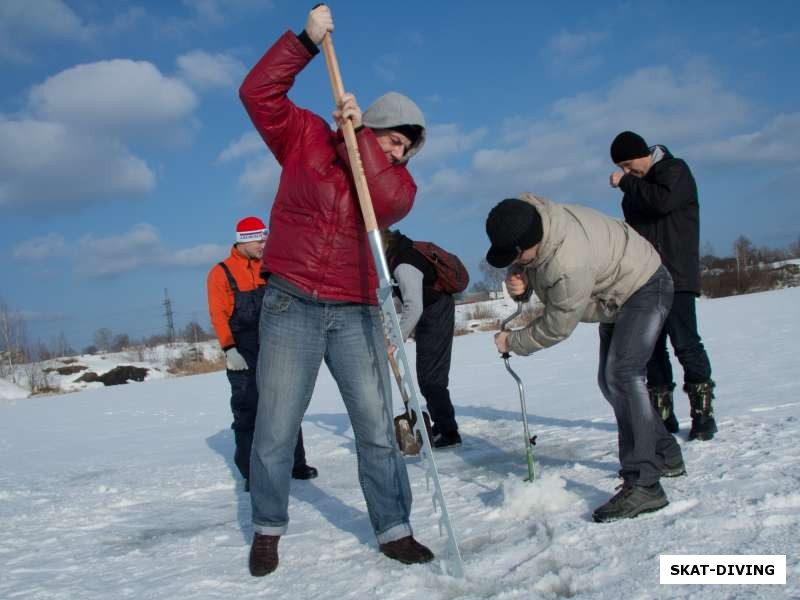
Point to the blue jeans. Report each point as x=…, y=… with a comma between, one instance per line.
x=625, y=347
x=296, y=335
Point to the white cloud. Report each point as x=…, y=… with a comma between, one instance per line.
x=118, y=97
x=445, y=140
x=39, y=248
x=573, y=51
x=70, y=148
x=104, y=256
x=196, y=256
x=259, y=182
x=775, y=144
x=248, y=144
x=140, y=247
x=565, y=154
x=44, y=164
x=203, y=70
x=661, y=102
x=24, y=23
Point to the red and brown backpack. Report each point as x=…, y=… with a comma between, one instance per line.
x=452, y=276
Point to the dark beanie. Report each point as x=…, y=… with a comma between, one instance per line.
x=512, y=226
x=627, y=146
x=412, y=132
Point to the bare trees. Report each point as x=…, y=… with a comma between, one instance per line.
x=492, y=277
x=12, y=340
x=103, y=339
x=750, y=269
x=194, y=333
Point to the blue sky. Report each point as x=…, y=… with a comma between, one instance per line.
x=126, y=157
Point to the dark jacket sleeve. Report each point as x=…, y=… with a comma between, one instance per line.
x=264, y=95
x=668, y=190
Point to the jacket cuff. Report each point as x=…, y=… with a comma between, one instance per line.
x=516, y=346
x=306, y=41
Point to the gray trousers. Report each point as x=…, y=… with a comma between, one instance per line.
x=625, y=347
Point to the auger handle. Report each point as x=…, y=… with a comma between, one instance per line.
x=364, y=198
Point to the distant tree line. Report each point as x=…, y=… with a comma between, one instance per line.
x=16, y=347
x=107, y=341
x=23, y=362
x=749, y=269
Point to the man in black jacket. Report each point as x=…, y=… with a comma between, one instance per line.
x=430, y=313
x=660, y=202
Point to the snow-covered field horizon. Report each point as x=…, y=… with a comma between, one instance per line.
x=130, y=491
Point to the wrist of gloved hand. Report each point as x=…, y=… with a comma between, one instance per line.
x=234, y=361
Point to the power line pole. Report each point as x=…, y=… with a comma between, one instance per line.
x=168, y=314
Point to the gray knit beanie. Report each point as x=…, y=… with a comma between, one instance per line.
x=395, y=111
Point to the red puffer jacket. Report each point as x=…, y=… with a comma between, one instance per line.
x=317, y=237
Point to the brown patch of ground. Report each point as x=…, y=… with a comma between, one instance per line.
x=192, y=367
x=70, y=370
x=116, y=376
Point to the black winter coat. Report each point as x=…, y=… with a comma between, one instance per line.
x=402, y=251
x=662, y=206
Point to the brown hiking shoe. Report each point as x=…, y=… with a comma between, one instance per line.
x=407, y=550
x=264, y=554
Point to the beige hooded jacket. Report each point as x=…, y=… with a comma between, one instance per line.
x=588, y=265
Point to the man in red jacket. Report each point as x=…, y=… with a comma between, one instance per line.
x=321, y=303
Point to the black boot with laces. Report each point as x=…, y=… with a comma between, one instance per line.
x=630, y=501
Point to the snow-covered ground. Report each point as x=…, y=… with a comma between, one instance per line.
x=129, y=491
x=11, y=391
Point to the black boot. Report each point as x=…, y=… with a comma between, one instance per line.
x=450, y=439
x=700, y=396
x=661, y=399
x=304, y=472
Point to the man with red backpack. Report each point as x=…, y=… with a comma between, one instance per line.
x=427, y=277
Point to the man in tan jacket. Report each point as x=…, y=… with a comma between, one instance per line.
x=587, y=267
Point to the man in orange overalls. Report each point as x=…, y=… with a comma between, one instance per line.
x=235, y=292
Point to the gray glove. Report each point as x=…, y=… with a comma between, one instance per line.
x=234, y=361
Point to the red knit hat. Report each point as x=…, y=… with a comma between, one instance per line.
x=251, y=229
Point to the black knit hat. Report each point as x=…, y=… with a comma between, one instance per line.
x=512, y=226
x=412, y=132
x=627, y=146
